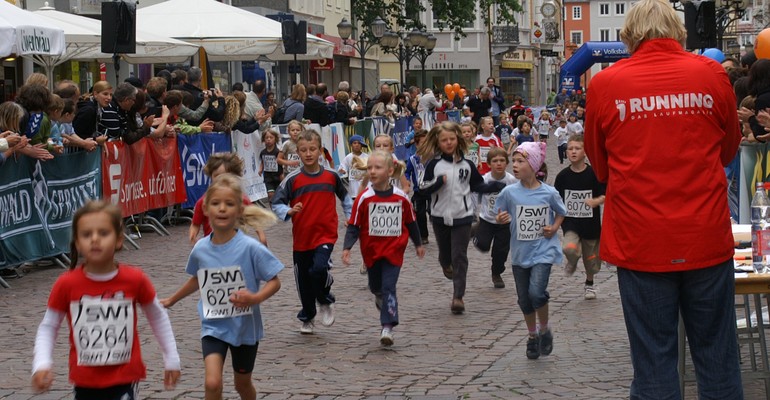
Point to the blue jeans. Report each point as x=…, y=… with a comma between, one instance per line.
x=383, y=277
x=531, y=285
x=314, y=280
x=705, y=298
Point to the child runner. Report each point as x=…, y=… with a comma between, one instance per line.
x=486, y=140
x=99, y=298
x=270, y=171
x=489, y=230
x=543, y=125
x=218, y=164
x=385, y=143
x=411, y=145
x=562, y=137
x=469, y=134
x=307, y=197
x=355, y=175
x=539, y=212
x=503, y=131
x=414, y=172
x=383, y=218
x=449, y=179
x=288, y=157
x=226, y=268
x=582, y=194
x=574, y=127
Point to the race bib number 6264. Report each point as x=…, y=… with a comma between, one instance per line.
x=216, y=286
x=103, y=331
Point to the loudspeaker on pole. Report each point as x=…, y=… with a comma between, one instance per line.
x=118, y=27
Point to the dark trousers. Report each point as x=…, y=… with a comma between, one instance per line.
x=314, y=281
x=421, y=205
x=453, y=250
x=383, y=277
x=562, y=152
x=496, y=236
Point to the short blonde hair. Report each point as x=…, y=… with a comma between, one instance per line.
x=651, y=19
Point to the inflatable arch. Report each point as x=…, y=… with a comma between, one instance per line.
x=587, y=55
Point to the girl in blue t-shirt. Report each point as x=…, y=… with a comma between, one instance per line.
x=535, y=212
x=227, y=267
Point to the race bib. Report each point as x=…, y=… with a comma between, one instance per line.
x=216, y=285
x=270, y=163
x=530, y=221
x=385, y=219
x=473, y=156
x=356, y=174
x=291, y=157
x=103, y=331
x=575, y=200
x=491, y=203
x=483, y=152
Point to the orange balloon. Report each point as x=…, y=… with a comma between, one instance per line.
x=447, y=89
x=762, y=44
x=463, y=92
x=456, y=88
x=451, y=96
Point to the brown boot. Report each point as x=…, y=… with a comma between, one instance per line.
x=458, y=307
x=448, y=272
x=497, y=280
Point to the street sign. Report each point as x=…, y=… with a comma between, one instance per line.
x=548, y=53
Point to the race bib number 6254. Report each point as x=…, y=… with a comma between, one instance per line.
x=530, y=221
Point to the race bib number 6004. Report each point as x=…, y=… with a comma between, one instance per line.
x=530, y=221
x=385, y=219
x=103, y=331
x=216, y=286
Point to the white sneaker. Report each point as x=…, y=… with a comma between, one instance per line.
x=386, y=337
x=362, y=270
x=326, y=313
x=590, y=292
x=307, y=328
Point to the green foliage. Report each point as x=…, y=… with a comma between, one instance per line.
x=452, y=15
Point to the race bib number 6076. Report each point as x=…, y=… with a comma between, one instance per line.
x=103, y=331
x=530, y=221
x=575, y=201
x=216, y=285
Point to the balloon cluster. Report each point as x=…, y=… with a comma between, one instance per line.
x=453, y=90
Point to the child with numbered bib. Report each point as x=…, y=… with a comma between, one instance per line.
x=270, y=170
x=227, y=268
x=306, y=196
x=582, y=227
x=535, y=211
x=449, y=179
x=355, y=175
x=99, y=298
x=288, y=157
x=383, y=218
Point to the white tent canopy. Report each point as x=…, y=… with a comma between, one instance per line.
x=227, y=33
x=24, y=33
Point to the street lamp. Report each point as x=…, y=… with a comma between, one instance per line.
x=407, y=45
x=345, y=30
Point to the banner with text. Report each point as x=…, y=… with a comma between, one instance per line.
x=248, y=146
x=143, y=176
x=38, y=200
x=194, y=152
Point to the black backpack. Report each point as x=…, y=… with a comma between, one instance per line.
x=279, y=115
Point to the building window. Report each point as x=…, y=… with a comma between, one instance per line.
x=577, y=38
x=604, y=9
x=577, y=12
x=746, y=39
x=617, y=34
x=620, y=8
x=746, y=17
x=604, y=35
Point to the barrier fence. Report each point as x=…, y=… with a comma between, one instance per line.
x=39, y=198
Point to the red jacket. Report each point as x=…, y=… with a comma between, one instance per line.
x=660, y=126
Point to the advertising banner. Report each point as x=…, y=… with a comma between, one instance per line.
x=194, y=152
x=38, y=200
x=143, y=176
x=248, y=146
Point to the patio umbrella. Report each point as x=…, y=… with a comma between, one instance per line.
x=24, y=33
x=227, y=33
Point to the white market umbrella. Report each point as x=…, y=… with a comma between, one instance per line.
x=227, y=33
x=84, y=42
x=24, y=33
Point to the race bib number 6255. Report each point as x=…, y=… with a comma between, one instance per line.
x=216, y=286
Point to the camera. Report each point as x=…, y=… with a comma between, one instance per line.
x=211, y=92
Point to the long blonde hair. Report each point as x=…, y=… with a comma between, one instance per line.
x=232, y=112
x=253, y=217
x=362, y=164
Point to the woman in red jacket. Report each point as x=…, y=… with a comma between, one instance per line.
x=666, y=220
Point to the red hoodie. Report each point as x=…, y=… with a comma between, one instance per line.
x=660, y=126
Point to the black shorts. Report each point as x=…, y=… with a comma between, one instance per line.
x=119, y=392
x=272, y=181
x=244, y=356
